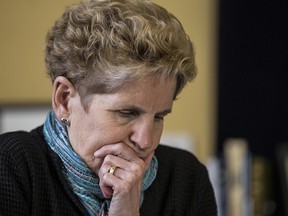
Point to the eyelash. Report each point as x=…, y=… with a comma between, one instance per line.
x=131, y=113
x=159, y=118
x=128, y=113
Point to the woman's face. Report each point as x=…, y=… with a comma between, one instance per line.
x=132, y=116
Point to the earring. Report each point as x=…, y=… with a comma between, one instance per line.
x=65, y=121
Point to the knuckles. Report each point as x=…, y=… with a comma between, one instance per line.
x=138, y=168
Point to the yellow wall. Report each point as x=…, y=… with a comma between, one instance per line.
x=23, y=79
x=23, y=28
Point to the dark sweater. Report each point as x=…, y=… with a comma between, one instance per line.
x=31, y=181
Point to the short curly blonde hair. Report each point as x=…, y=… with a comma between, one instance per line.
x=101, y=45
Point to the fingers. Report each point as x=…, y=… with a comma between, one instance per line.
x=129, y=172
x=121, y=150
x=122, y=179
x=108, y=182
x=126, y=170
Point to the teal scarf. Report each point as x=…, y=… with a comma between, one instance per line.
x=83, y=181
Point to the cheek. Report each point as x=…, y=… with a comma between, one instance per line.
x=157, y=135
x=98, y=134
x=83, y=135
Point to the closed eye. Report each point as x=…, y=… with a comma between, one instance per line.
x=159, y=118
x=128, y=113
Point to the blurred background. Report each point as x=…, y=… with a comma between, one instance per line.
x=233, y=116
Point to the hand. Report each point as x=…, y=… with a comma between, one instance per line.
x=125, y=184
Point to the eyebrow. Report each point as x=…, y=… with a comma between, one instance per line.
x=164, y=112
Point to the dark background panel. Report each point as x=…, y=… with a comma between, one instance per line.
x=253, y=72
x=253, y=77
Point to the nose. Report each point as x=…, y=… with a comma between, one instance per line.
x=142, y=134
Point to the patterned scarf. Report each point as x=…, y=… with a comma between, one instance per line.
x=84, y=182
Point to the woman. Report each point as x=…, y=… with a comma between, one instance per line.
x=116, y=68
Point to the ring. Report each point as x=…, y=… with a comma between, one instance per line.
x=112, y=169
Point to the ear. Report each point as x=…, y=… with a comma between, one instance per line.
x=63, y=91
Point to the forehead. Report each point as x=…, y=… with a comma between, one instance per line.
x=147, y=93
x=150, y=87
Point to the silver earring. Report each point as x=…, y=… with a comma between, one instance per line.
x=65, y=121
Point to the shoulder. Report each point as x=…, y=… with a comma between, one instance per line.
x=180, y=167
x=20, y=145
x=182, y=185
x=23, y=158
x=9, y=138
x=19, y=139
x=170, y=156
